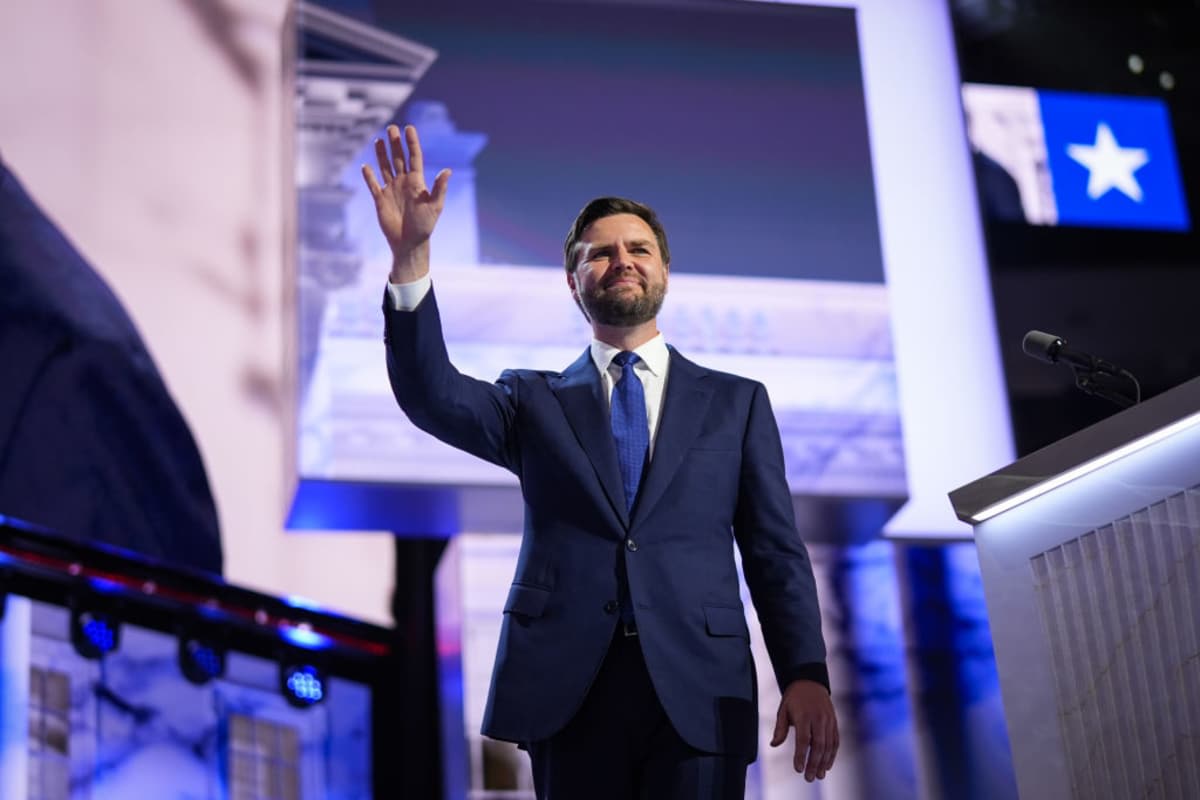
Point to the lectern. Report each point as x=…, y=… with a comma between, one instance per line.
x=1090, y=555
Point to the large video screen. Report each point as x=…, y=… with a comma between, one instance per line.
x=1073, y=158
x=742, y=124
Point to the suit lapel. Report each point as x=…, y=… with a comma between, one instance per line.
x=683, y=410
x=581, y=396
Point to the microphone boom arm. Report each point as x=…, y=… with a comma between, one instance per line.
x=1093, y=375
x=1095, y=383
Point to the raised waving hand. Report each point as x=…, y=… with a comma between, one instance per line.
x=407, y=210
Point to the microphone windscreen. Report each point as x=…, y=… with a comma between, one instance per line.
x=1042, y=346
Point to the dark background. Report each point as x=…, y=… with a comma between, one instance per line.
x=1127, y=296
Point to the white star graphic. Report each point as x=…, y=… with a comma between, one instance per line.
x=1109, y=165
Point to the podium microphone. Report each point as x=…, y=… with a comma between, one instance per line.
x=1090, y=372
x=1053, y=350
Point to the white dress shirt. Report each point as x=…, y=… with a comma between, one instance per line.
x=654, y=361
x=654, y=357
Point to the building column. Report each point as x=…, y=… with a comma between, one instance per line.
x=16, y=621
x=961, y=737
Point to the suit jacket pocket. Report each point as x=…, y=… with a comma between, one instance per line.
x=528, y=601
x=725, y=621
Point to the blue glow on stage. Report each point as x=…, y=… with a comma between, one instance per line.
x=306, y=638
x=296, y=601
x=107, y=586
x=100, y=634
x=346, y=505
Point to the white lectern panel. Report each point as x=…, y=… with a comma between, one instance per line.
x=1093, y=594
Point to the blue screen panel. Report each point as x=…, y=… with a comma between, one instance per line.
x=1112, y=161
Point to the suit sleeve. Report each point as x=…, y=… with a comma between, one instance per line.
x=470, y=414
x=774, y=559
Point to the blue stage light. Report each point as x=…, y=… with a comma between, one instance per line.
x=94, y=634
x=200, y=661
x=302, y=685
x=306, y=638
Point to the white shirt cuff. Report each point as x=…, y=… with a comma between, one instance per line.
x=407, y=296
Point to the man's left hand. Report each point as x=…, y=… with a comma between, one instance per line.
x=807, y=707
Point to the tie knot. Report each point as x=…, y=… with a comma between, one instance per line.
x=626, y=357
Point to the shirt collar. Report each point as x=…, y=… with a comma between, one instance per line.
x=654, y=355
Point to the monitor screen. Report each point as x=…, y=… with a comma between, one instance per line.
x=742, y=124
x=1074, y=159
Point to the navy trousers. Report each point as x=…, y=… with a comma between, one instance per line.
x=621, y=746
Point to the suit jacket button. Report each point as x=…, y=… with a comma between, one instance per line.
x=611, y=607
x=631, y=545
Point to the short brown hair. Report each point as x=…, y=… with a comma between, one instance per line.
x=606, y=207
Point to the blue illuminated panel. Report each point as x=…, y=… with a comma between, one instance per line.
x=1113, y=161
x=1070, y=158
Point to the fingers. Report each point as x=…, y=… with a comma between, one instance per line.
x=781, y=726
x=818, y=744
x=385, y=164
x=822, y=749
x=832, y=752
x=416, y=161
x=440, y=186
x=393, y=165
x=393, y=133
x=802, y=759
x=372, y=184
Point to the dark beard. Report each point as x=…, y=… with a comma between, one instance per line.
x=619, y=310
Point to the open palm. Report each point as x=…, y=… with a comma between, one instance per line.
x=406, y=208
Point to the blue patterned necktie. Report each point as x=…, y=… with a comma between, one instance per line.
x=630, y=429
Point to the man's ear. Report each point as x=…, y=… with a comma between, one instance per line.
x=571, y=282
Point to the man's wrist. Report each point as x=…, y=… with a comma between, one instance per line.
x=407, y=296
x=410, y=264
x=815, y=671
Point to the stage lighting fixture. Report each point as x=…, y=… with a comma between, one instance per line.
x=94, y=634
x=303, y=685
x=200, y=661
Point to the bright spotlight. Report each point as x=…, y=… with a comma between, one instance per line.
x=303, y=685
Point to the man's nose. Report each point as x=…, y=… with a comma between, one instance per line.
x=622, y=258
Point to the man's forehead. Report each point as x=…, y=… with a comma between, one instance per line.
x=627, y=227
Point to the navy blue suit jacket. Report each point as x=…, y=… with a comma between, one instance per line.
x=91, y=443
x=716, y=478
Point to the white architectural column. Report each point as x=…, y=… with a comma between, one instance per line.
x=15, y=637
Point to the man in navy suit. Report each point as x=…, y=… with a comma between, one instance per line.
x=624, y=663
